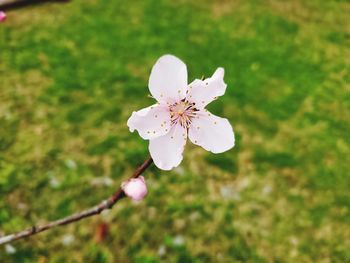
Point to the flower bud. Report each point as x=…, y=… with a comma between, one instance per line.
x=135, y=188
x=2, y=16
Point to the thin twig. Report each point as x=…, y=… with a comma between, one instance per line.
x=106, y=204
x=14, y=4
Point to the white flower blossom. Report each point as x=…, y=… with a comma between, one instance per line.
x=180, y=114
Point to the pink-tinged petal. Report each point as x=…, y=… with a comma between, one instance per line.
x=135, y=188
x=213, y=133
x=166, y=151
x=202, y=92
x=168, y=79
x=150, y=122
x=2, y=16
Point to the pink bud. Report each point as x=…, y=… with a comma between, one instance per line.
x=135, y=188
x=2, y=16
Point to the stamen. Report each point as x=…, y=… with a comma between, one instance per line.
x=182, y=112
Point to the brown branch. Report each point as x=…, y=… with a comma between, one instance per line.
x=106, y=204
x=12, y=4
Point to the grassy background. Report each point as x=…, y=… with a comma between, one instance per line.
x=71, y=74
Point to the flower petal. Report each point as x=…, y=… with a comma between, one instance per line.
x=202, y=92
x=150, y=122
x=213, y=133
x=166, y=151
x=168, y=79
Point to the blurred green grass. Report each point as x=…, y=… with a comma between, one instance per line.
x=71, y=74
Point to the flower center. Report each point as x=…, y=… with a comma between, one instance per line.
x=182, y=112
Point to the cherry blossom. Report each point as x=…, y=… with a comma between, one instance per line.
x=135, y=188
x=180, y=113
